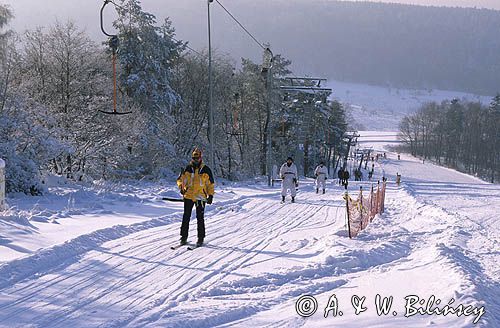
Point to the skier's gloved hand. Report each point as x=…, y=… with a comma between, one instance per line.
x=182, y=191
x=210, y=199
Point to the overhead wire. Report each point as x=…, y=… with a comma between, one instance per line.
x=188, y=47
x=241, y=25
x=252, y=36
x=255, y=39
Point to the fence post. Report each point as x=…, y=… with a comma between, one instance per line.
x=378, y=198
x=382, y=205
x=371, y=204
x=361, y=205
x=2, y=185
x=346, y=196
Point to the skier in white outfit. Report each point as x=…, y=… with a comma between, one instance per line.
x=288, y=174
x=321, y=173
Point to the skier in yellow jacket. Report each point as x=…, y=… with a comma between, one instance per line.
x=196, y=184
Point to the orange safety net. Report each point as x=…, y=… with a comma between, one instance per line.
x=360, y=212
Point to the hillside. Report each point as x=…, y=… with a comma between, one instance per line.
x=375, y=43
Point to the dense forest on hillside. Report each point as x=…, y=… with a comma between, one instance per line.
x=384, y=44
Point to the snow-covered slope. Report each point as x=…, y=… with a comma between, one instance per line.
x=439, y=236
x=389, y=105
x=68, y=211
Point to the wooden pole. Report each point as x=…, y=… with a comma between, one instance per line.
x=348, y=217
x=361, y=205
x=371, y=204
x=378, y=197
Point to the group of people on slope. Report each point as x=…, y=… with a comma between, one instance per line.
x=289, y=178
x=196, y=184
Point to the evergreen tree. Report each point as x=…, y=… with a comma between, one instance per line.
x=146, y=56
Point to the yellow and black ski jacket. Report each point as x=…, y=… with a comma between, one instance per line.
x=196, y=183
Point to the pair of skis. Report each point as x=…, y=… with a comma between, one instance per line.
x=189, y=247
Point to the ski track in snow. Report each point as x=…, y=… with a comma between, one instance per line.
x=260, y=256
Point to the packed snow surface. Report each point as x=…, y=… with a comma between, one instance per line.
x=99, y=256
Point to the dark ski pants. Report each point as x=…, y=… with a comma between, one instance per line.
x=200, y=217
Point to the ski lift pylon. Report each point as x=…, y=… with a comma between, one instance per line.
x=113, y=44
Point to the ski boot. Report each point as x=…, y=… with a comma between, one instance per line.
x=199, y=242
x=317, y=190
x=324, y=191
x=293, y=199
x=183, y=241
x=282, y=199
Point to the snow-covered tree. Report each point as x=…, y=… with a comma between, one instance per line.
x=66, y=72
x=190, y=80
x=146, y=55
x=23, y=144
x=5, y=17
x=5, y=67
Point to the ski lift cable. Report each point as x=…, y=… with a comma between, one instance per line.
x=253, y=37
x=250, y=34
x=188, y=47
x=241, y=25
x=125, y=9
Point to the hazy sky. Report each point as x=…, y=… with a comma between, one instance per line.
x=188, y=16
x=30, y=13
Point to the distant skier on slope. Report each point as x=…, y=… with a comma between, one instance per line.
x=288, y=174
x=321, y=174
x=358, y=175
x=398, y=179
x=345, y=178
x=340, y=174
x=196, y=184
